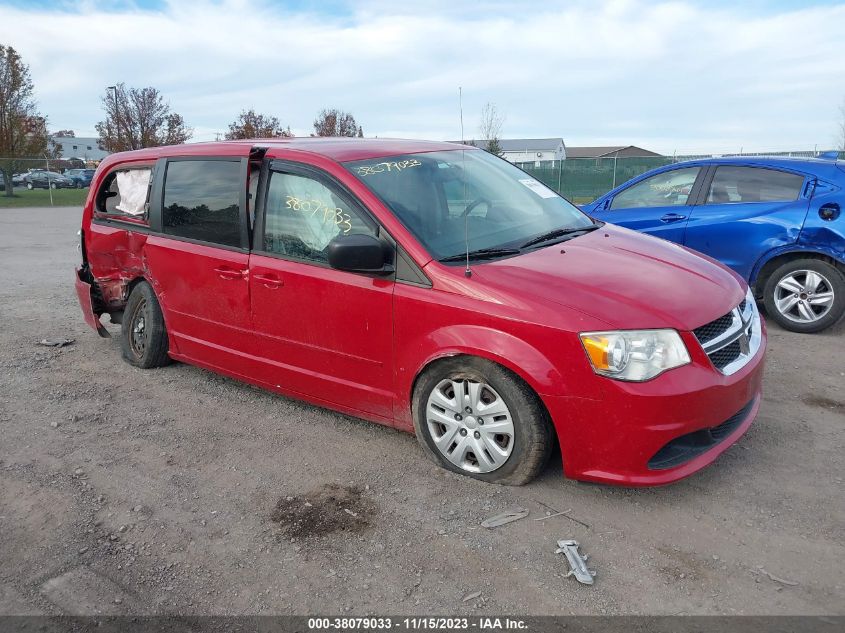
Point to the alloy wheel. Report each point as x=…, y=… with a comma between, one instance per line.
x=470, y=425
x=804, y=296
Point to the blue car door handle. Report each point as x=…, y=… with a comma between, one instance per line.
x=672, y=217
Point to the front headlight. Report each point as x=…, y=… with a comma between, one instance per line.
x=635, y=355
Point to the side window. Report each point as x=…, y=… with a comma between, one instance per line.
x=667, y=189
x=125, y=194
x=303, y=215
x=202, y=200
x=753, y=184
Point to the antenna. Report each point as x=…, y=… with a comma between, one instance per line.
x=467, y=271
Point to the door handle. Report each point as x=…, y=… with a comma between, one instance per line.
x=672, y=217
x=269, y=281
x=230, y=273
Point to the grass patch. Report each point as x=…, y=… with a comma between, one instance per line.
x=41, y=198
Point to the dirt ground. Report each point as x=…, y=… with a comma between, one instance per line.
x=177, y=491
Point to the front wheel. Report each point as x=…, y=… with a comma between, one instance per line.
x=805, y=295
x=474, y=417
x=143, y=339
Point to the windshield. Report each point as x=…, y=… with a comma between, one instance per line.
x=440, y=196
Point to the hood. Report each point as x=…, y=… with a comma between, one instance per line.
x=625, y=278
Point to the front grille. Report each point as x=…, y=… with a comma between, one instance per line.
x=684, y=448
x=725, y=356
x=731, y=340
x=711, y=330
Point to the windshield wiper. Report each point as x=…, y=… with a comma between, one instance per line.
x=481, y=253
x=569, y=232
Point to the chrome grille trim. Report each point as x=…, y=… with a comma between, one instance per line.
x=744, y=330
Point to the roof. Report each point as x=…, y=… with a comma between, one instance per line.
x=520, y=144
x=340, y=149
x=607, y=150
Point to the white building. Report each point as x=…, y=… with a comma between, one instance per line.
x=86, y=149
x=527, y=150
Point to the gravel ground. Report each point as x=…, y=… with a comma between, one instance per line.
x=177, y=491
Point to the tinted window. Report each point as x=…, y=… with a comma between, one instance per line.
x=753, y=184
x=303, y=215
x=667, y=189
x=202, y=200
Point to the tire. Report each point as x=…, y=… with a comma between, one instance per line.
x=53, y=185
x=30, y=186
x=531, y=436
x=145, y=347
x=794, y=292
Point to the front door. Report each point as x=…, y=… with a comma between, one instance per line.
x=659, y=205
x=321, y=332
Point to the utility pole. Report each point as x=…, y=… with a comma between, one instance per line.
x=116, y=113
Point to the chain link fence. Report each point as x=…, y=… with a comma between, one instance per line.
x=582, y=180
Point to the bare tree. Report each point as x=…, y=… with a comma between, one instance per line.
x=138, y=118
x=334, y=122
x=23, y=131
x=491, y=128
x=251, y=124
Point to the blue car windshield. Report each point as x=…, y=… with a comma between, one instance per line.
x=450, y=197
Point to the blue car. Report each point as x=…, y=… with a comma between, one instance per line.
x=80, y=177
x=776, y=221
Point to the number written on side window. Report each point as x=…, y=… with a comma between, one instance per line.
x=202, y=200
x=303, y=215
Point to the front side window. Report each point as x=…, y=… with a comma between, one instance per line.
x=303, y=215
x=667, y=189
x=202, y=200
x=753, y=184
x=451, y=199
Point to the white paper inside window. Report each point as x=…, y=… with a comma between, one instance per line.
x=132, y=186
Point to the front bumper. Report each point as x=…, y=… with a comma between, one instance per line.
x=657, y=432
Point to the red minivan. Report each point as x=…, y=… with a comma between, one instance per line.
x=428, y=286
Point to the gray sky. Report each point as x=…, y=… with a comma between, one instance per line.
x=683, y=76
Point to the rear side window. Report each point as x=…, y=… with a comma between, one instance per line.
x=125, y=194
x=753, y=184
x=202, y=200
x=667, y=189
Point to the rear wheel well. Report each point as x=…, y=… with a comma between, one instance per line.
x=773, y=264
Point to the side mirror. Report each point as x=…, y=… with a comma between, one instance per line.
x=359, y=254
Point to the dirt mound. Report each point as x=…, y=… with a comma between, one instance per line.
x=324, y=510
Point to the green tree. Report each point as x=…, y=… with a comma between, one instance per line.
x=23, y=131
x=251, y=124
x=138, y=118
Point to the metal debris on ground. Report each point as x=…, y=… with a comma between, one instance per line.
x=471, y=596
x=783, y=581
x=56, y=342
x=577, y=561
x=513, y=514
x=556, y=514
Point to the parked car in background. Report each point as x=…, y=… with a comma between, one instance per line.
x=431, y=287
x=44, y=179
x=80, y=177
x=776, y=221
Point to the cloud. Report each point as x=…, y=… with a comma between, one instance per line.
x=671, y=76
